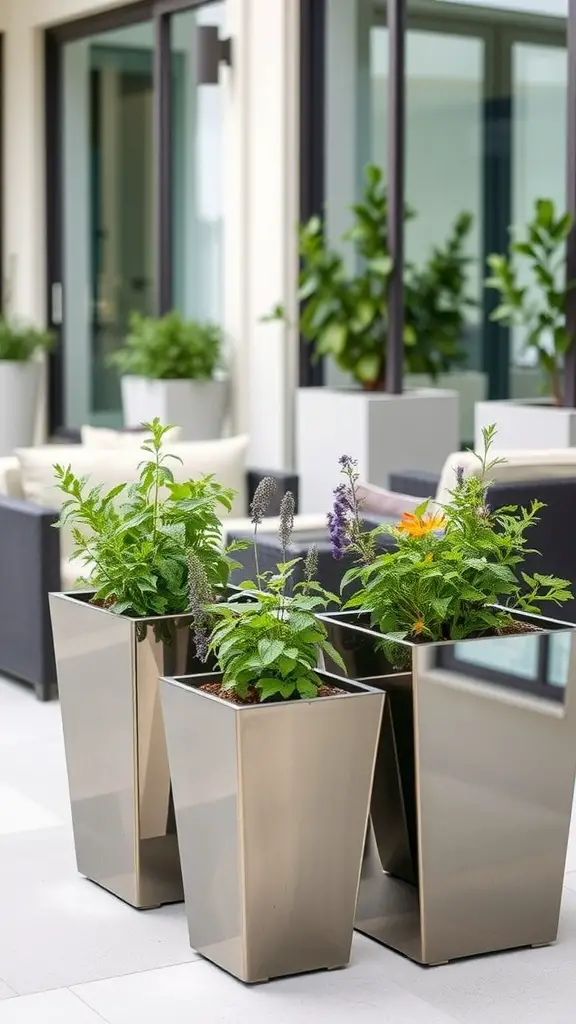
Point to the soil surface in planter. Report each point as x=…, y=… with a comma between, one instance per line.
x=254, y=697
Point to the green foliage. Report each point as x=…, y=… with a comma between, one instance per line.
x=20, y=343
x=539, y=305
x=451, y=567
x=170, y=348
x=271, y=642
x=138, y=538
x=346, y=316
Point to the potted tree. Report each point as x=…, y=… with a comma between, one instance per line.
x=112, y=641
x=272, y=762
x=172, y=369
x=475, y=772
x=20, y=376
x=532, y=286
x=344, y=316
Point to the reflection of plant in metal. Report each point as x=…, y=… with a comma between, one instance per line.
x=451, y=567
x=539, y=306
x=345, y=315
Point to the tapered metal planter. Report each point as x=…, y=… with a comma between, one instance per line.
x=122, y=812
x=271, y=804
x=473, y=790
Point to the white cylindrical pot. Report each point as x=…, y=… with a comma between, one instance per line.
x=19, y=393
x=198, y=407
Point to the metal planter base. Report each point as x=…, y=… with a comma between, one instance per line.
x=120, y=792
x=472, y=794
x=271, y=803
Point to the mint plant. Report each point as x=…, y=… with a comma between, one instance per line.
x=267, y=640
x=137, y=540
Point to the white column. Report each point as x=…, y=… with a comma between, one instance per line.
x=261, y=218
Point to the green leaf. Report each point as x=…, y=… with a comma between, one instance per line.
x=306, y=688
x=336, y=657
x=269, y=650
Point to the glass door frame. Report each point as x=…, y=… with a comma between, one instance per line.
x=160, y=13
x=497, y=143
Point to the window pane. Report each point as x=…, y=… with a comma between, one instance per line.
x=108, y=210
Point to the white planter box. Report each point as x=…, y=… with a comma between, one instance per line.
x=386, y=433
x=471, y=385
x=526, y=424
x=19, y=395
x=198, y=407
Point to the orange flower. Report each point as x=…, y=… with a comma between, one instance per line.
x=418, y=526
x=419, y=626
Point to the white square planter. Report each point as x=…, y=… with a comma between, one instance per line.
x=471, y=385
x=19, y=393
x=198, y=407
x=527, y=423
x=386, y=433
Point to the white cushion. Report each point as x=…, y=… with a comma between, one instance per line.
x=10, y=482
x=104, y=437
x=225, y=459
x=554, y=463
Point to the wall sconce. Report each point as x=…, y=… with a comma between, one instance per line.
x=212, y=52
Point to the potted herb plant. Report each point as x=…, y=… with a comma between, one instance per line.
x=20, y=379
x=173, y=369
x=112, y=641
x=477, y=757
x=344, y=316
x=272, y=762
x=531, y=283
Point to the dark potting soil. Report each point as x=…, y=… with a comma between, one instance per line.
x=253, y=697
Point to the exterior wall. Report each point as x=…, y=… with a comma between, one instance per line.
x=261, y=197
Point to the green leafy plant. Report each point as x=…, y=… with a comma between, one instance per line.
x=170, y=348
x=20, y=342
x=270, y=643
x=345, y=316
x=137, y=540
x=538, y=306
x=456, y=571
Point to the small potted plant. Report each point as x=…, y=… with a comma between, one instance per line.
x=477, y=757
x=532, y=287
x=344, y=316
x=172, y=369
x=20, y=378
x=131, y=624
x=272, y=762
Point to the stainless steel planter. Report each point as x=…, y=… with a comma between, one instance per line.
x=271, y=803
x=472, y=791
x=122, y=813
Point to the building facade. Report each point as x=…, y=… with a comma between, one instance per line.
x=136, y=177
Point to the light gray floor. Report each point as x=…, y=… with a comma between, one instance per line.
x=71, y=954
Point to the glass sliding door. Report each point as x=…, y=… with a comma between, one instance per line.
x=134, y=164
x=539, y=88
x=108, y=210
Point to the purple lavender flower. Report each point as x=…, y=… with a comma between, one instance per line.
x=338, y=523
x=347, y=463
x=459, y=476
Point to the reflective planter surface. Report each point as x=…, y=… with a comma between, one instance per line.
x=122, y=811
x=473, y=789
x=271, y=803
